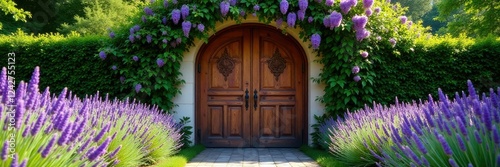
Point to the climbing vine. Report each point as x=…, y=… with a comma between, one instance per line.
x=348, y=37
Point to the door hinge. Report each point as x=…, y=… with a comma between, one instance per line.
x=199, y=68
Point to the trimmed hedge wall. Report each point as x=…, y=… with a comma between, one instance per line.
x=445, y=63
x=64, y=62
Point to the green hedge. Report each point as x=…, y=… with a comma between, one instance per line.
x=444, y=62
x=64, y=62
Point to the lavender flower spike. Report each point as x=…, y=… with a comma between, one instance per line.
x=13, y=163
x=65, y=135
x=5, y=149
x=19, y=105
x=3, y=80
x=46, y=150
x=101, y=133
x=112, y=154
x=99, y=150
x=33, y=88
x=38, y=124
x=445, y=145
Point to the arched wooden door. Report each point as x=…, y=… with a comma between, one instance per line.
x=251, y=85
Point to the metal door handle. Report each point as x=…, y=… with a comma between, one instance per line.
x=246, y=99
x=255, y=97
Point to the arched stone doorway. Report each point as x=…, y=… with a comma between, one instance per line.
x=251, y=89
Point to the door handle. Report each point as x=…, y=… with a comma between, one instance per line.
x=255, y=97
x=246, y=99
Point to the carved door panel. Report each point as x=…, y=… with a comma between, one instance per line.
x=250, y=90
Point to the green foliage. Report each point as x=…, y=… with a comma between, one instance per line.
x=324, y=158
x=477, y=18
x=181, y=158
x=439, y=62
x=186, y=132
x=65, y=60
x=9, y=7
x=100, y=15
x=416, y=8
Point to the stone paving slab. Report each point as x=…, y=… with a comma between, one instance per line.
x=252, y=157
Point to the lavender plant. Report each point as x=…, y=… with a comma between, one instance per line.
x=450, y=132
x=47, y=130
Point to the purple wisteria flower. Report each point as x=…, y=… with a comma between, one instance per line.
x=174, y=1
x=368, y=12
x=315, y=41
x=224, y=8
x=392, y=41
x=114, y=67
x=138, y=88
x=284, y=6
x=164, y=20
x=149, y=38
x=112, y=34
x=403, y=19
x=377, y=10
x=176, y=16
x=242, y=12
x=135, y=58
x=367, y=4
x=178, y=40
x=160, y=62
x=303, y=4
x=357, y=78
x=329, y=2
x=165, y=41
x=345, y=6
x=148, y=11
x=165, y=3
x=355, y=69
x=184, y=11
x=310, y=19
x=364, y=54
x=256, y=7
x=233, y=2
x=279, y=22
x=186, y=27
x=301, y=14
x=137, y=28
x=131, y=38
x=102, y=55
x=291, y=18
x=201, y=27
x=143, y=19
x=122, y=79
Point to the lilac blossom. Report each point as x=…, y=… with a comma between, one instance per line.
x=362, y=34
x=242, y=12
x=233, y=2
x=165, y=3
x=186, y=27
x=148, y=11
x=176, y=16
x=315, y=41
x=329, y=2
x=377, y=10
x=359, y=22
x=137, y=28
x=335, y=19
x=144, y=19
x=291, y=18
x=367, y=4
x=224, y=8
x=184, y=11
x=403, y=19
x=345, y=6
x=131, y=38
x=279, y=21
x=284, y=6
x=368, y=12
x=138, y=88
x=165, y=41
x=392, y=41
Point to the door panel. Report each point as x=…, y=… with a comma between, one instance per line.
x=268, y=65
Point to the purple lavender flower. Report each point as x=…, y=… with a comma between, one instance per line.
x=224, y=8
x=359, y=22
x=256, y=7
x=144, y=19
x=452, y=162
x=461, y=143
x=335, y=19
x=20, y=105
x=184, y=11
x=201, y=27
x=368, y=12
x=403, y=19
x=301, y=14
x=101, y=133
x=478, y=137
x=24, y=163
x=364, y=54
x=99, y=150
x=377, y=10
x=496, y=136
x=131, y=38
x=65, y=135
x=357, y=78
x=291, y=18
x=164, y=20
x=5, y=149
x=367, y=4
x=392, y=41
x=419, y=143
x=112, y=154
x=46, y=150
x=165, y=3
x=160, y=62
x=345, y=6
x=112, y=34
x=444, y=144
x=329, y=2
x=40, y=121
x=176, y=16
x=135, y=58
x=303, y=4
x=14, y=161
x=33, y=88
x=186, y=27
x=148, y=11
x=284, y=6
x=102, y=54
x=310, y=19
x=315, y=41
x=355, y=69
x=138, y=88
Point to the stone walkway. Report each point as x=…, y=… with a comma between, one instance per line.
x=261, y=157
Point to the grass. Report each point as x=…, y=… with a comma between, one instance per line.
x=180, y=159
x=323, y=157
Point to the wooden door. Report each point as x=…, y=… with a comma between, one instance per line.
x=250, y=86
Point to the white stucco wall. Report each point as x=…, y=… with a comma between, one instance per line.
x=186, y=101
